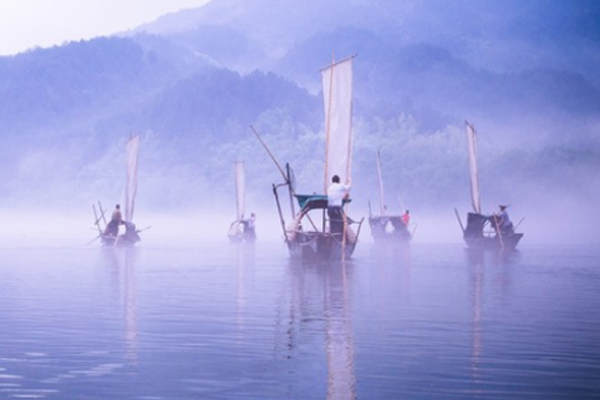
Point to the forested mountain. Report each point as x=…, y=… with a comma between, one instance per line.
x=193, y=82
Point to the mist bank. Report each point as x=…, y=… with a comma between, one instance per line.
x=555, y=217
x=192, y=84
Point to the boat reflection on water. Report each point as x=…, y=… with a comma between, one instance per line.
x=476, y=261
x=341, y=380
x=122, y=261
x=244, y=262
x=320, y=293
x=497, y=264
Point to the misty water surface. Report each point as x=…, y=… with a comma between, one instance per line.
x=224, y=321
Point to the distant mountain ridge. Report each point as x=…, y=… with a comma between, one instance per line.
x=192, y=82
x=413, y=55
x=513, y=35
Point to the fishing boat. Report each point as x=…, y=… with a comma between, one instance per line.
x=122, y=231
x=384, y=227
x=241, y=230
x=483, y=231
x=310, y=235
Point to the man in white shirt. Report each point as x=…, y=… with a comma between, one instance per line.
x=336, y=194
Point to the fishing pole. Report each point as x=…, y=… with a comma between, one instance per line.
x=270, y=154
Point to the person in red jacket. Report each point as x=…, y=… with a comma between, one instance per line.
x=406, y=217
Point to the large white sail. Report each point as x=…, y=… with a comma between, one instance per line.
x=133, y=146
x=472, y=144
x=337, y=96
x=240, y=189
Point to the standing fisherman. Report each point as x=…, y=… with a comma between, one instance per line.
x=336, y=194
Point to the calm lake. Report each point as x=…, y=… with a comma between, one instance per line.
x=229, y=321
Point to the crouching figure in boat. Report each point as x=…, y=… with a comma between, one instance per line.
x=111, y=235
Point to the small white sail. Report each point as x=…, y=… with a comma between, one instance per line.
x=472, y=144
x=337, y=96
x=133, y=146
x=240, y=189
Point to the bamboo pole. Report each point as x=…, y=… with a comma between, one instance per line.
x=334, y=63
x=345, y=221
x=280, y=215
x=269, y=152
x=328, y=124
x=349, y=165
x=498, y=230
x=97, y=220
x=516, y=226
x=291, y=189
x=459, y=220
x=102, y=212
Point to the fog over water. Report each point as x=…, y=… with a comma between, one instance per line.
x=33, y=229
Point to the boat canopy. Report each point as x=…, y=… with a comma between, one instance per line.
x=313, y=201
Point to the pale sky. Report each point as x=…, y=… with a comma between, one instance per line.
x=30, y=23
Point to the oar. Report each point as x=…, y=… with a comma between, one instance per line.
x=414, y=230
x=97, y=219
x=93, y=240
x=459, y=221
x=102, y=212
x=345, y=227
x=499, y=231
x=515, y=228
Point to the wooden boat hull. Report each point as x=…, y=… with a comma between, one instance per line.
x=242, y=238
x=476, y=237
x=317, y=246
x=127, y=239
x=506, y=242
x=111, y=241
x=380, y=232
x=239, y=232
